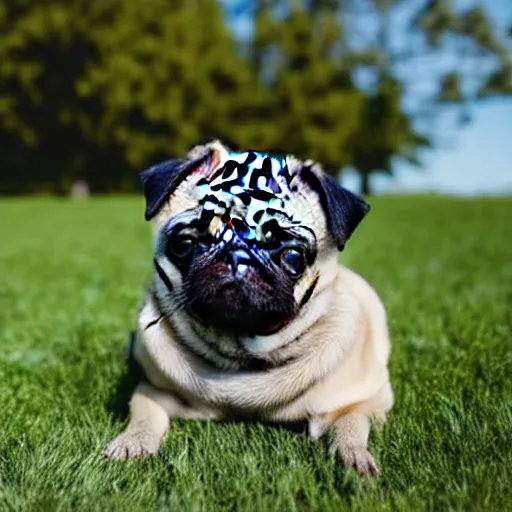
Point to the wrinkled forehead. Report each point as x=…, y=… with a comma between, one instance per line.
x=248, y=192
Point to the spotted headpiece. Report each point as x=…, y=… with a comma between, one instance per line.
x=253, y=194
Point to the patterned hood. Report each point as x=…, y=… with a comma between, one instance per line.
x=253, y=195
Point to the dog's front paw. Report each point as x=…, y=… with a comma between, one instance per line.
x=133, y=444
x=359, y=458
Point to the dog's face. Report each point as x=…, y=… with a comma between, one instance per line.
x=242, y=237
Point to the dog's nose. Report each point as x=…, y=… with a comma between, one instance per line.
x=239, y=256
x=238, y=260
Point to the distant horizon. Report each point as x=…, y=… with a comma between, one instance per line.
x=477, y=163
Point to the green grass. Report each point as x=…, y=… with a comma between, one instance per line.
x=72, y=279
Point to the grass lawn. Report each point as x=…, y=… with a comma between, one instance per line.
x=72, y=279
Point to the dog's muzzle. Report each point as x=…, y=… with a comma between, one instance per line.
x=239, y=261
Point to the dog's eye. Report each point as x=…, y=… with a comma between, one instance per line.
x=292, y=261
x=180, y=246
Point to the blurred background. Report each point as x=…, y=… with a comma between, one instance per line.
x=392, y=95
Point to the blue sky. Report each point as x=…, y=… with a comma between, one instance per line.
x=476, y=159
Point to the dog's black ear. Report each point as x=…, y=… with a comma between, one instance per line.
x=159, y=181
x=343, y=209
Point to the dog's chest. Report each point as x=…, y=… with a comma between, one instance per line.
x=171, y=367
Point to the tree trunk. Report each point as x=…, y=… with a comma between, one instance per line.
x=365, y=184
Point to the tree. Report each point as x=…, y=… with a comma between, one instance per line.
x=384, y=132
x=410, y=61
x=99, y=89
x=41, y=53
x=316, y=104
x=167, y=75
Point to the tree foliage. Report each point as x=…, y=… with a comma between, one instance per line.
x=316, y=106
x=407, y=60
x=99, y=89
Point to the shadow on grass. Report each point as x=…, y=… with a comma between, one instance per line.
x=346, y=481
x=119, y=403
x=296, y=427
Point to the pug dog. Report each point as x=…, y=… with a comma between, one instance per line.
x=249, y=314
